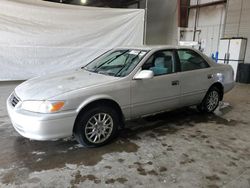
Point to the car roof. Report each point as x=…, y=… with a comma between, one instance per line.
x=165, y=47
x=153, y=47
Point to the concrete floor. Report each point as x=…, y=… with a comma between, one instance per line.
x=176, y=149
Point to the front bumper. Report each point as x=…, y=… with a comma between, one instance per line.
x=39, y=126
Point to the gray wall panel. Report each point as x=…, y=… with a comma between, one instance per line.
x=238, y=21
x=161, y=22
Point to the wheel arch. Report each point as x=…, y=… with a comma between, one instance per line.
x=219, y=86
x=99, y=100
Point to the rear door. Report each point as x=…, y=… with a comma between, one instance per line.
x=195, y=77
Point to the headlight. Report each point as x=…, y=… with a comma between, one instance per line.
x=42, y=106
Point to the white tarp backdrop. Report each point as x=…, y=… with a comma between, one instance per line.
x=38, y=37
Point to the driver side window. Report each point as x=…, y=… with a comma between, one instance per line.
x=161, y=63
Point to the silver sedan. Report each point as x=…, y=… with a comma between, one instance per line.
x=93, y=102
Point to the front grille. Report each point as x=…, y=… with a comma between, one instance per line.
x=14, y=100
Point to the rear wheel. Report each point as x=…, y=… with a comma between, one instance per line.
x=96, y=126
x=210, y=101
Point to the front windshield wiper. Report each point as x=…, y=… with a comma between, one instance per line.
x=85, y=68
x=125, y=64
x=110, y=60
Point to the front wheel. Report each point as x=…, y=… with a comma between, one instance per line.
x=210, y=101
x=96, y=126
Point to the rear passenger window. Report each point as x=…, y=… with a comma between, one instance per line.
x=162, y=62
x=190, y=60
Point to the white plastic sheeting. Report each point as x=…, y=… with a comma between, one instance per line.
x=38, y=37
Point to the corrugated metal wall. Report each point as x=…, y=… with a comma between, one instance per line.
x=214, y=22
x=210, y=24
x=238, y=21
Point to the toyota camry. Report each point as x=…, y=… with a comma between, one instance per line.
x=93, y=102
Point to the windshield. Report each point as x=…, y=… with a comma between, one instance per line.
x=116, y=63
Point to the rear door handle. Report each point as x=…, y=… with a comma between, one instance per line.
x=175, y=82
x=209, y=76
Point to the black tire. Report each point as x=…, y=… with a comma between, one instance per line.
x=208, y=105
x=82, y=125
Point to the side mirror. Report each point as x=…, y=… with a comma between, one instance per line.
x=144, y=74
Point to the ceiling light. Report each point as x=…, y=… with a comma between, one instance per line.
x=83, y=1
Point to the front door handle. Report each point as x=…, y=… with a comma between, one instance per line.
x=209, y=76
x=175, y=82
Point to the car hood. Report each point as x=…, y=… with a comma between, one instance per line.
x=45, y=87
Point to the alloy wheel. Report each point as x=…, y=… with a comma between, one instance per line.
x=212, y=100
x=99, y=128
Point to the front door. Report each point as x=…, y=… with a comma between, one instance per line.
x=162, y=91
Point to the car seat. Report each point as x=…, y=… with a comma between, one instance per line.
x=159, y=67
